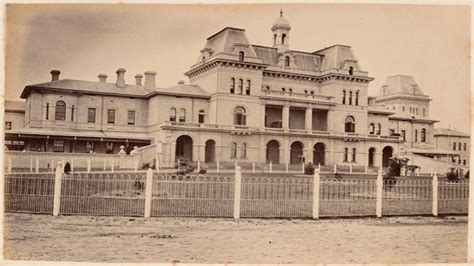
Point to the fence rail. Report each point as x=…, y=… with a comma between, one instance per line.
x=148, y=193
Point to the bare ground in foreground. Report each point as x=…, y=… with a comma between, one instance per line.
x=203, y=240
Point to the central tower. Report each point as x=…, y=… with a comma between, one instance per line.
x=281, y=34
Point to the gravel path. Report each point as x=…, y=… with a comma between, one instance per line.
x=202, y=240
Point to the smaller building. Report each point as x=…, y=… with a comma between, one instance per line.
x=454, y=141
x=14, y=120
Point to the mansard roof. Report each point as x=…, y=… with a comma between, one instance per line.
x=400, y=84
x=303, y=60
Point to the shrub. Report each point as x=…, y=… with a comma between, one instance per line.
x=394, y=168
x=184, y=166
x=309, y=169
x=466, y=175
x=338, y=176
x=452, y=175
x=148, y=165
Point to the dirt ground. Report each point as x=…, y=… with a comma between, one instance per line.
x=202, y=240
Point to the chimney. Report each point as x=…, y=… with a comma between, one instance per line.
x=55, y=75
x=102, y=78
x=150, y=80
x=138, y=79
x=120, y=77
x=181, y=82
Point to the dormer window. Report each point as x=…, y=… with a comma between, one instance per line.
x=283, y=89
x=241, y=56
x=287, y=61
x=351, y=71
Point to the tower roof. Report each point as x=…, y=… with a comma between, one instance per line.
x=281, y=22
x=400, y=84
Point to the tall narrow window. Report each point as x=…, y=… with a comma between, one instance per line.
x=424, y=112
x=72, y=112
x=343, y=97
x=416, y=135
x=91, y=115
x=131, y=117
x=239, y=116
x=182, y=115
x=247, y=90
x=233, y=150
x=423, y=135
x=372, y=128
x=201, y=116
x=60, y=112
x=243, y=152
x=350, y=98
x=354, y=151
x=351, y=71
x=58, y=146
x=357, y=98
x=274, y=39
x=111, y=116
x=172, y=115
x=404, y=135
x=232, y=85
x=454, y=146
x=241, y=56
x=379, y=129
x=346, y=154
x=465, y=147
x=283, y=38
x=241, y=86
x=349, y=124
x=459, y=146
x=47, y=111
x=287, y=61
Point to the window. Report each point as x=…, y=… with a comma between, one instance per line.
x=343, y=97
x=403, y=108
x=459, y=161
x=454, y=146
x=131, y=117
x=287, y=61
x=109, y=147
x=182, y=115
x=47, y=111
x=8, y=125
x=459, y=146
x=267, y=88
x=464, y=162
x=72, y=112
x=247, y=90
x=424, y=112
x=379, y=129
x=346, y=154
x=90, y=146
x=233, y=150
x=201, y=116
x=241, y=56
x=416, y=109
x=351, y=71
x=58, y=146
x=60, y=112
x=283, y=89
x=350, y=124
x=357, y=98
x=274, y=38
x=243, y=153
x=290, y=89
x=392, y=132
x=232, y=85
x=404, y=135
x=240, y=88
x=173, y=115
x=350, y=98
x=111, y=116
x=91, y=115
x=372, y=128
x=423, y=135
x=353, y=155
x=416, y=136
x=239, y=116
x=283, y=38
x=465, y=147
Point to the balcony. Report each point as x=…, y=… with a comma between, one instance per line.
x=296, y=96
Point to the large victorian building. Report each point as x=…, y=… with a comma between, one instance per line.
x=244, y=102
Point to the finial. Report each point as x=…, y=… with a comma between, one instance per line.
x=281, y=12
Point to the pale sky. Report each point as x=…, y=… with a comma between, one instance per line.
x=430, y=43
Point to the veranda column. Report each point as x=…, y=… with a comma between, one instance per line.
x=285, y=119
x=309, y=152
x=286, y=150
x=308, y=118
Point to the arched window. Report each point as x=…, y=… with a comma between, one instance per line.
x=233, y=150
x=350, y=124
x=346, y=154
x=354, y=151
x=344, y=97
x=351, y=70
x=247, y=90
x=350, y=98
x=241, y=56
x=357, y=98
x=232, y=85
x=283, y=89
x=182, y=115
x=172, y=115
x=241, y=86
x=379, y=129
x=283, y=38
x=465, y=147
x=423, y=137
x=287, y=61
x=243, y=152
x=72, y=112
x=239, y=116
x=267, y=88
x=60, y=112
x=201, y=115
x=372, y=128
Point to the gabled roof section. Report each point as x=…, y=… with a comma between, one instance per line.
x=400, y=84
x=337, y=56
x=225, y=40
x=449, y=132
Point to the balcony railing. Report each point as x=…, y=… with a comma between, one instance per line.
x=296, y=95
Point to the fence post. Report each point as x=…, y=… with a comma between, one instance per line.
x=31, y=165
x=136, y=165
x=57, y=188
x=88, y=165
x=253, y=167
x=236, y=165
x=37, y=165
x=435, y=194
x=72, y=164
x=52, y=165
x=9, y=165
x=238, y=183
x=302, y=168
x=271, y=167
x=319, y=167
x=112, y=166
x=157, y=162
x=350, y=168
x=335, y=168
x=286, y=167
x=217, y=167
x=316, y=182
x=379, y=194
x=105, y=164
x=148, y=192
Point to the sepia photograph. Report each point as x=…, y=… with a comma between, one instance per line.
x=258, y=133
